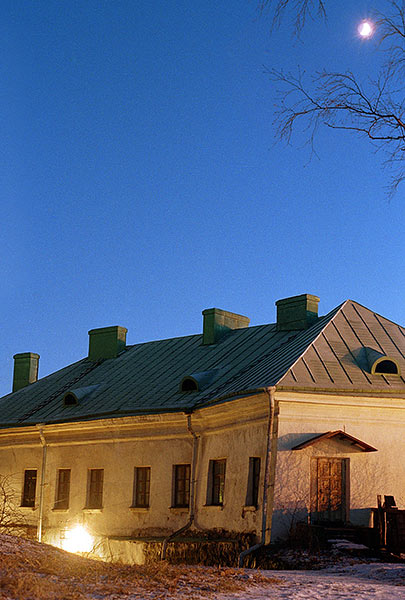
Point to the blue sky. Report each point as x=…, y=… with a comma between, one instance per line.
x=141, y=180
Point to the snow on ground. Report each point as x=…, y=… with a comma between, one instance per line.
x=375, y=581
x=33, y=571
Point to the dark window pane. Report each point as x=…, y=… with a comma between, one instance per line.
x=95, y=488
x=30, y=484
x=181, y=485
x=141, y=487
x=63, y=489
x=252, y=495
x=217, y=481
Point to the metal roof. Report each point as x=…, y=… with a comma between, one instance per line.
x=145, y=378
x=338, y=358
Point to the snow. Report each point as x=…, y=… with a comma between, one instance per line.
x=369, y=581
x=29, y=570
x=342, y=544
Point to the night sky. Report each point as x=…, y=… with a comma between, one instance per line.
x=142, y=181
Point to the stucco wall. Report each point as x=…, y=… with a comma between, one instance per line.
x=379, y=423
x=234, y=431
x=229, y=432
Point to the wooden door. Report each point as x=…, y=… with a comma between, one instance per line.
x=331, y=490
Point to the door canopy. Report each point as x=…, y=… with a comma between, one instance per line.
x=340, y=435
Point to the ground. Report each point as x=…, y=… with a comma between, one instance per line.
x=375, y=581
x=33, y=571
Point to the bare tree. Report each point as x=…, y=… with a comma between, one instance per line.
x=11, y=518
x=374, y=109
x=302, y=9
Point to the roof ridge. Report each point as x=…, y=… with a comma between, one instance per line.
x=330, y=317
x=376, y=313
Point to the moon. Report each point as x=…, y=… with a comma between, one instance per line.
x=365, y=29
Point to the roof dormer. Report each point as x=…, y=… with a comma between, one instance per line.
x=196, y=382
x=74, y=397
x=381, y=364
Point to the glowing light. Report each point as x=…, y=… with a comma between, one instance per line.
x=77, y=539
x=365, y=29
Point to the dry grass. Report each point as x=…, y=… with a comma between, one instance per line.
x=33, y=571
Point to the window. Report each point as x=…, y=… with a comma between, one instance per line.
x=386, y=366
x=62, y=489
x=70, y=400
x=30, y=484
x=189, y=385
x=141, y=487
x=253, y=481
x=181, y=486
x=95, y=479
x=216, y=482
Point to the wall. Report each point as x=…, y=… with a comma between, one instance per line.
x=378, y=422
x=233, y=430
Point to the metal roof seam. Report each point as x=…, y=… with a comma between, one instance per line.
x=367, y=327
x=336, y=357
x=322, y=361
x=324, y=321
x=247, y=368
x=53, y=396
x=388, y=335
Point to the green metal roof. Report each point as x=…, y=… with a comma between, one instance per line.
x=145, y=378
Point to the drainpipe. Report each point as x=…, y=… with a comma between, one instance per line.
x=42, y=483
x=269, y=475
x=192, y=491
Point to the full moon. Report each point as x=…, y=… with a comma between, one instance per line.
x=365, y=29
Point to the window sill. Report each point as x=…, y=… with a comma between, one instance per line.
x=140, y=509
x=179, y=509
x=62, y=510
x=92, y=510
x=28, y=507
x=250, y=508
x=217, y=506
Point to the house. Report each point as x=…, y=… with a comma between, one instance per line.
x=238, y=429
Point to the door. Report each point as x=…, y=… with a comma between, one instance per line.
x=330, y=490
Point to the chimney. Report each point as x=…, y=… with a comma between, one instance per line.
x=218, y=322
x=297, y=312
x=25, y=369
x=106, y=342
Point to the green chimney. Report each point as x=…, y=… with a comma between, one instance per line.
x=297, y=312
x=218, y=322
x=107, y=342
x=25, y=369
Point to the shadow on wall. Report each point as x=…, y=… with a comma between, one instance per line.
x=288, y=521
x=285, y=520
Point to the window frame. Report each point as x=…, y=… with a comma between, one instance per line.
x=62, y=491
x=216, y=482
x=181, y=485
x=94, y=496
x=29, y=489
x=141, y=488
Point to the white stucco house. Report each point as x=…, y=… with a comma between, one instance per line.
x=239, y=429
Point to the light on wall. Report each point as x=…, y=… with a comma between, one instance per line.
x=77, y=539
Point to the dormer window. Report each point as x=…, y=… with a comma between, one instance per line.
x=69, y=399
x=199, y=381
x=385, y=366
x=77, y=395
x=189, y=385
x=379, y=363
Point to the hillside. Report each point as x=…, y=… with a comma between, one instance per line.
x=33, y=571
